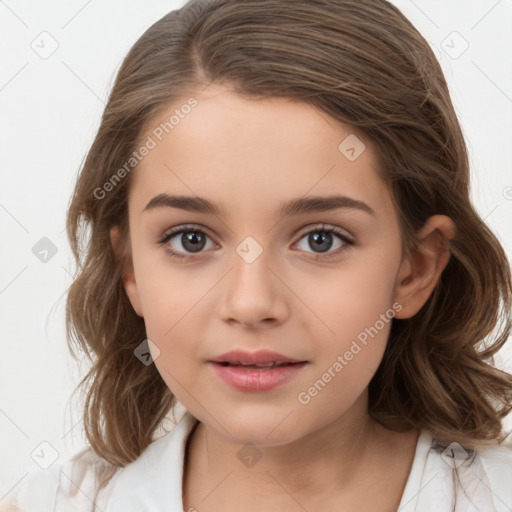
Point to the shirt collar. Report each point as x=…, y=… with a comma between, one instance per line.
x=153, y=481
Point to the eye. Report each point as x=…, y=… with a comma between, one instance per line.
x=191, y=240
x=321, y=239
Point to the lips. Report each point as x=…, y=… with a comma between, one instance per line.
x=263, y=359
x=259, y=366
x=256, y=378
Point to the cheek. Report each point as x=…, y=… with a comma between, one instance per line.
x=350, y=299
x=358, y=312
x=168, y=311
x=171, y=327
x=169, y=296
x=355, y=306
x=173, y=303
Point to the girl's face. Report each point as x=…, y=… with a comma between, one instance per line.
x=263, y=272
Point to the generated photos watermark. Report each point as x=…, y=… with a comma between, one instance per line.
x=152, y=140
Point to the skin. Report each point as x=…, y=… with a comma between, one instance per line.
x=249, y=156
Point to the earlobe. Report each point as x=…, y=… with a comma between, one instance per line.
x=123, y=256
x=421, y=269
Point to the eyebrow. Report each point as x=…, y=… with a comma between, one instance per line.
x=297, y=206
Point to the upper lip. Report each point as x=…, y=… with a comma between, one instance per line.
x=260, y=357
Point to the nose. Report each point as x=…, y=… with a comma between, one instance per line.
x=255, y=295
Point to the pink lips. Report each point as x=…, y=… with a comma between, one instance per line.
x=260, y=357
x=255, y=371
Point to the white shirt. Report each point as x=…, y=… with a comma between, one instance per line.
x=153, y=482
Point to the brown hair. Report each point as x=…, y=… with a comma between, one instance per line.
x=364, y=64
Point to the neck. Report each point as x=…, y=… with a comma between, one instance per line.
x=331, y=459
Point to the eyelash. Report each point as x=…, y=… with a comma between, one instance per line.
x=316, y=229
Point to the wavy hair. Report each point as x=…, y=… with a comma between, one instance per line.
x=364, y=64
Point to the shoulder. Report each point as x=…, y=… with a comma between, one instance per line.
x=76, y=484
x=72, y=484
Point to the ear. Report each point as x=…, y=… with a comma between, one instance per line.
x=121, y=248
x=421, y=269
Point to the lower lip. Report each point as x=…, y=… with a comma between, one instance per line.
x=250, y=379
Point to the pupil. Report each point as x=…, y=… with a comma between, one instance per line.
x=193, y=241
x=319, y=241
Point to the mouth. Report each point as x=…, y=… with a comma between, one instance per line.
x=259, y=366
x=256, y=377
x=261, y=359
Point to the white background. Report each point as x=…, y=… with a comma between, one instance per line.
x=50, y=111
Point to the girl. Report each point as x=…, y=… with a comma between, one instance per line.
x=273, y=229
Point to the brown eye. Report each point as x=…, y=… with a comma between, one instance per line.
x=322, y=240
x=184, y=240
x=193, y=241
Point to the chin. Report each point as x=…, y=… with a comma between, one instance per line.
x=258, y=427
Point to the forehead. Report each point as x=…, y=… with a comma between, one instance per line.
x=240, y=151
